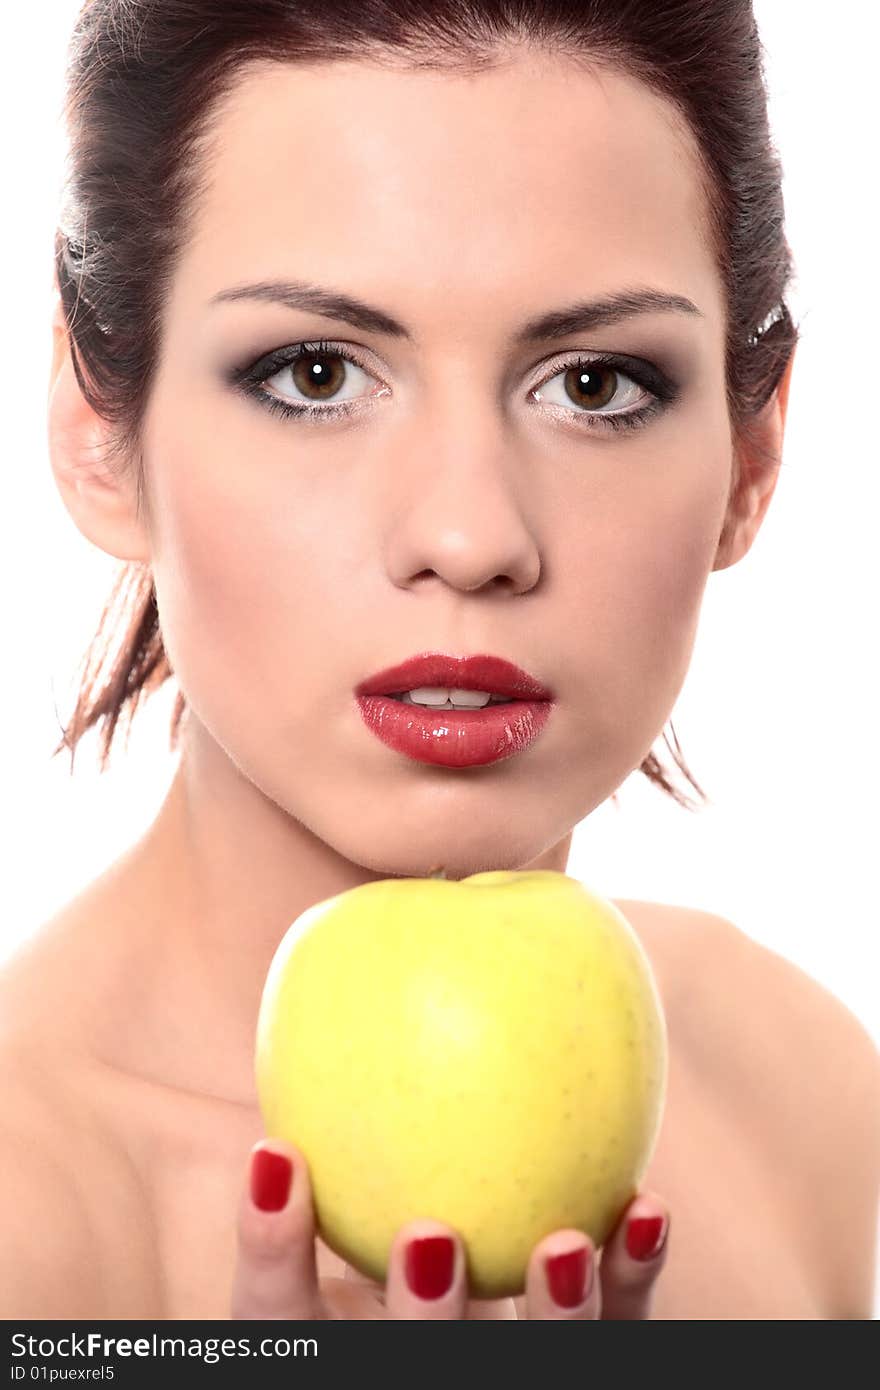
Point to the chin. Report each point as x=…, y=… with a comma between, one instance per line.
x=457, y=860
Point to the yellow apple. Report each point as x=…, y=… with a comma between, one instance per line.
x=490, y=1053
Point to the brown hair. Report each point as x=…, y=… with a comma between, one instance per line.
x=144, y=80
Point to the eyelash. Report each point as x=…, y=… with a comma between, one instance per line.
x=251, y=379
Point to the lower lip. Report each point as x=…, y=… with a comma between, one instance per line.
x=455, y=737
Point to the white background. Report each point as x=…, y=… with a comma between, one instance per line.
x=778, y=715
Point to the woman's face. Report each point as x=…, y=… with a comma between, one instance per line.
x=451, y=510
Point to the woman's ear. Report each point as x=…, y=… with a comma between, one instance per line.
x=759, y=458
x=101, y=500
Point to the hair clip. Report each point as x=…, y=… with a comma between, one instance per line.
x=773, y=317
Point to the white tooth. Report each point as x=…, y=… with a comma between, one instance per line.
x=437, y=698
x=470, y=699
x=429, y=695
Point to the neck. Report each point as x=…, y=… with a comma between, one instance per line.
x=220, y=876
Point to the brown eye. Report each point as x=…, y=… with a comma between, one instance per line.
x=318, y=375
x=591, y=387
x=596, y=390
x=315, y=375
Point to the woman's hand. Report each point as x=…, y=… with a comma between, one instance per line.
x=276, y=1275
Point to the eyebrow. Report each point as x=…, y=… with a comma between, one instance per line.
x=578, y=317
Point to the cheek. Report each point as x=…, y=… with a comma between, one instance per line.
x=678, y=550
x=642, y=572
x=233, y=560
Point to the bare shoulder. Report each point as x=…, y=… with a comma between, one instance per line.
x=49, y=1267
x=683, y=945
x=782, y=1019
x=813, y=1071
x=726, y=986
x=47, y=1264
x=795, y=1066
x=66, y=1178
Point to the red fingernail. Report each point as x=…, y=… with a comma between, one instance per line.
x=430, y=1264
x=645, y=1236
x=270, y=1179
x=567, y=1277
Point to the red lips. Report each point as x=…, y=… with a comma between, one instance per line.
x=488, y=673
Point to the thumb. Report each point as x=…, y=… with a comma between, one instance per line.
x=276, y=1273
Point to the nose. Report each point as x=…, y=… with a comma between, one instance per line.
x=460, y=510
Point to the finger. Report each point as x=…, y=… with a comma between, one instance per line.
x=560, y=1279
x=633, y=1257
x=354, y=1276
x=276, y=1272
x=426, y=1273
x=351, y=1300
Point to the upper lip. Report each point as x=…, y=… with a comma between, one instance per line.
x=488, y=673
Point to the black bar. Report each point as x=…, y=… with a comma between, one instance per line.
x=134, y=1354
